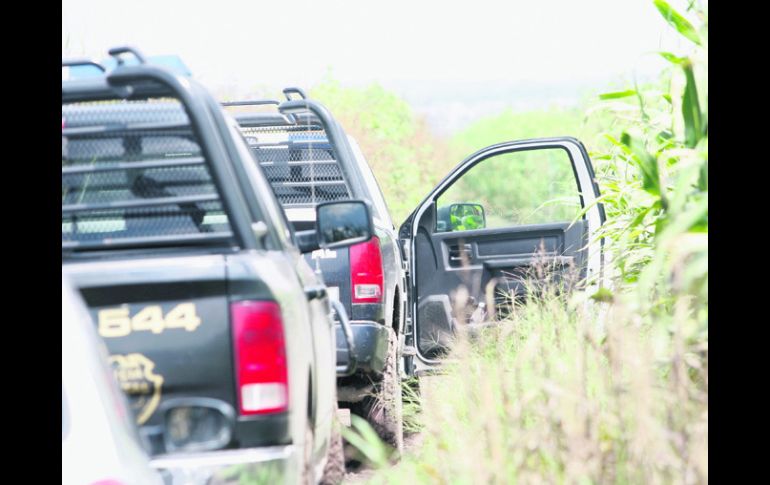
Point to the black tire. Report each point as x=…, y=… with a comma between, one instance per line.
x=384, y=410
x=334, y=471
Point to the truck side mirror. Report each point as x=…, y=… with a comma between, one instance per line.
x=343, y=223
x=461, y=217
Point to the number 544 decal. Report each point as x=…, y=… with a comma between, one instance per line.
x=117, y=322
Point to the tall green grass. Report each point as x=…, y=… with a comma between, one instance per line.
x=549, y=396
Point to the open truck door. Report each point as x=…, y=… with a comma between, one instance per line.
x=502, y=213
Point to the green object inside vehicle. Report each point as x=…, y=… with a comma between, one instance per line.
x=466, y=217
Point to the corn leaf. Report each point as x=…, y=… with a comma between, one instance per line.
x=618, y=94
x=676, y=20
x=693, y=120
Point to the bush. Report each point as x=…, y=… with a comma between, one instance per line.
x=406, y=157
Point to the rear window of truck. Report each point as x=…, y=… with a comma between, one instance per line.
x=133, y=172
x=300, y=165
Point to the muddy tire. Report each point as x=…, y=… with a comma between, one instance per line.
x=384, y=409
x=334, y=471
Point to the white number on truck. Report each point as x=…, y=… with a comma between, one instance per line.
x=117, y=322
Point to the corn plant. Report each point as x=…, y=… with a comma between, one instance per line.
x=654, y=174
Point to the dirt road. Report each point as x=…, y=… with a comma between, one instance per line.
x=412, y=443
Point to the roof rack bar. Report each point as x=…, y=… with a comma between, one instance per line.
x=306, y=184
x=133, y=204
x=289, y=126
x=165, y=163
x=255, y=102
x=116, y=52
x=294, y=205
x=306, y=144
x=82, y=62
x=95, y=130
x=221, y=236
x=298, y=163
x=295, y=90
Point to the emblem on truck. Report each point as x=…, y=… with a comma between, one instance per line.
x=135, y=374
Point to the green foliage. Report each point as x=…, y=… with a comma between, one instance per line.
x=549, y=396
x=366, y=441
x=406, y=158
x=654, y=181
x=681, y=24
x=412, y=407
x=618, y=94
x=511, y=125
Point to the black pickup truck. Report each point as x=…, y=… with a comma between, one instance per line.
x=219, y=331
x=309, y=159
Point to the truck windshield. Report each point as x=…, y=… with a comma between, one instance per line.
x=133, y=174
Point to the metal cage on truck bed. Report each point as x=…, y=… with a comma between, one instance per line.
x=295, y=151
x=137, y=170
x=133, y=171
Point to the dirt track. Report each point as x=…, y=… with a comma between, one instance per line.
x=412, y=443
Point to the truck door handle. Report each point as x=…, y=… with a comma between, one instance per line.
x=313, y=292
x=457, y=252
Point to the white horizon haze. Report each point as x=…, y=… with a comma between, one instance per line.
x=522, y=54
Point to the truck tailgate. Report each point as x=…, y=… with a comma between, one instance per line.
x=334, y=266
x=166, y=325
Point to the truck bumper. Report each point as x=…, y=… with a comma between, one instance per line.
x=370, y=342
x=270, y=464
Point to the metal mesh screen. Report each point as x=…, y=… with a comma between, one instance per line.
x=300, y=165
x=134, y=171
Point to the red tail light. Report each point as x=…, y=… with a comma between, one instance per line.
x=260, y=357
x=366, y=271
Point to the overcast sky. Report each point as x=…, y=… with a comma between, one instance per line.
x=239, y=46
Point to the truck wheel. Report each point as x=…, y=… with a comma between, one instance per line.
x=334, y=471
x=384, y=409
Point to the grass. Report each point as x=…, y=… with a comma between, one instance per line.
x=549, y=396
x=412, y=406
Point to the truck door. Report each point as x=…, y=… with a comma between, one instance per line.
x=509, y=214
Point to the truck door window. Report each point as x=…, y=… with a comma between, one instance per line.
x=511, y=189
